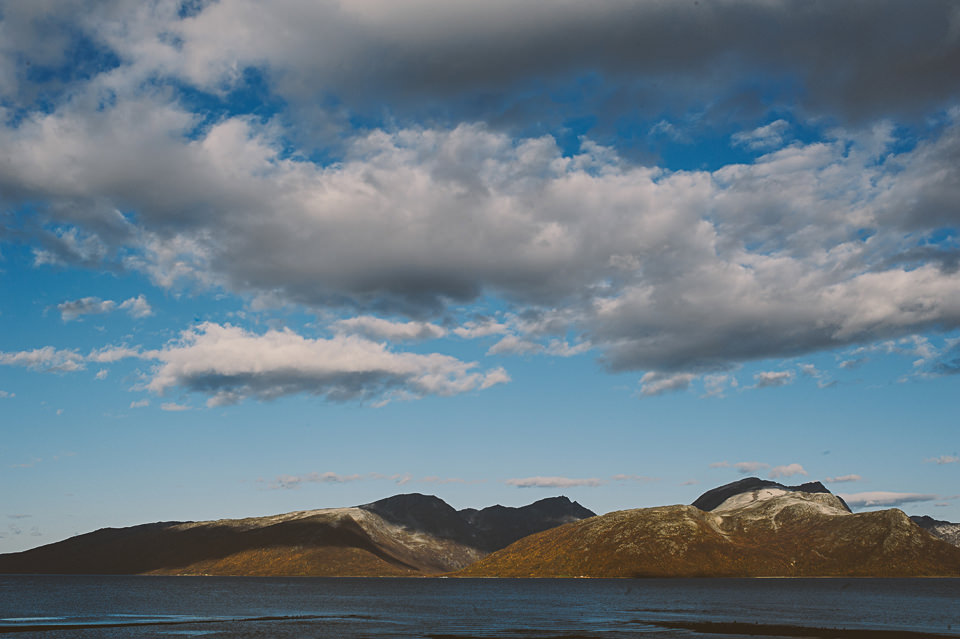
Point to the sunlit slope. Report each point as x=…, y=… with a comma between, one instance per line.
x=755, y=534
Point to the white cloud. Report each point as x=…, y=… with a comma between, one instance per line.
x=679, y=272
x=378, y=328
x=885, y=499
x=85, y=306
x=478, y=329
x=943, y=459
x=716, y=385
x=174, y=407
x=47, y=358
x=553, y=482
x=788, y=470
x=770, y=379
x=140, y=403
x=137, y=307
x=102, y=373
x=228, y=364
x=655, y=383
x=513, y=345
x=111, y=354
x=841, y=479
x=7, y=394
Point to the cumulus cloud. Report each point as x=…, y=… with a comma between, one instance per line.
x=841, y=479
x=140, y=403
x=668, y=272
x=788, y=470
x=229, y=364
x=137, y=307
x=943, y=459
x=6, y=394
x=885, y=499
x=553, y=482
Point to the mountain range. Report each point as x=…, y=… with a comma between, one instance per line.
x=752, y=527
x=404, y=535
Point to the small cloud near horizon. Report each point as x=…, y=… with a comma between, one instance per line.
x=841, y=479
x=884, y=498
x=554, y=482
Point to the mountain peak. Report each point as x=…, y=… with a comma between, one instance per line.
x=711, y=499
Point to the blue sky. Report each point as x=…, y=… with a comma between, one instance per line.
x=255, y=260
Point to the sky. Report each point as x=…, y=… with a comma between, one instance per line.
x=257, y=258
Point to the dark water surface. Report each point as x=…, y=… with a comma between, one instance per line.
x=90, y=607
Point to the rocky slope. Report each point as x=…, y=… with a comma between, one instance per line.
x=945, y=530
x=755, y=530
x=403, y=535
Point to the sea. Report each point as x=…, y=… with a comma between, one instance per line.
x=128, y=607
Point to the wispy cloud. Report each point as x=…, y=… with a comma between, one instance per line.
x=295, y=481
x=842, y=479
x=174, y=407
x=888, y=499
x=765, y=137
x=554, y=482
x=655, y=383
x=771, y=379
x=943, y=459
x=640, y=479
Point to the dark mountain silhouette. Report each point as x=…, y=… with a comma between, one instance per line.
x=500, y=526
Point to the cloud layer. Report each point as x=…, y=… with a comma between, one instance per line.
x=811, y=242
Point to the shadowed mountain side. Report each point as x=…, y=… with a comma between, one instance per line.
x=426, y=514
x=798, y=534
x=489, y=529
x=500, y=526
x=345, y=541
x=945, y=530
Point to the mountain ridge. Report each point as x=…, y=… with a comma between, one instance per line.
x=403, y=535
x=757, y=529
